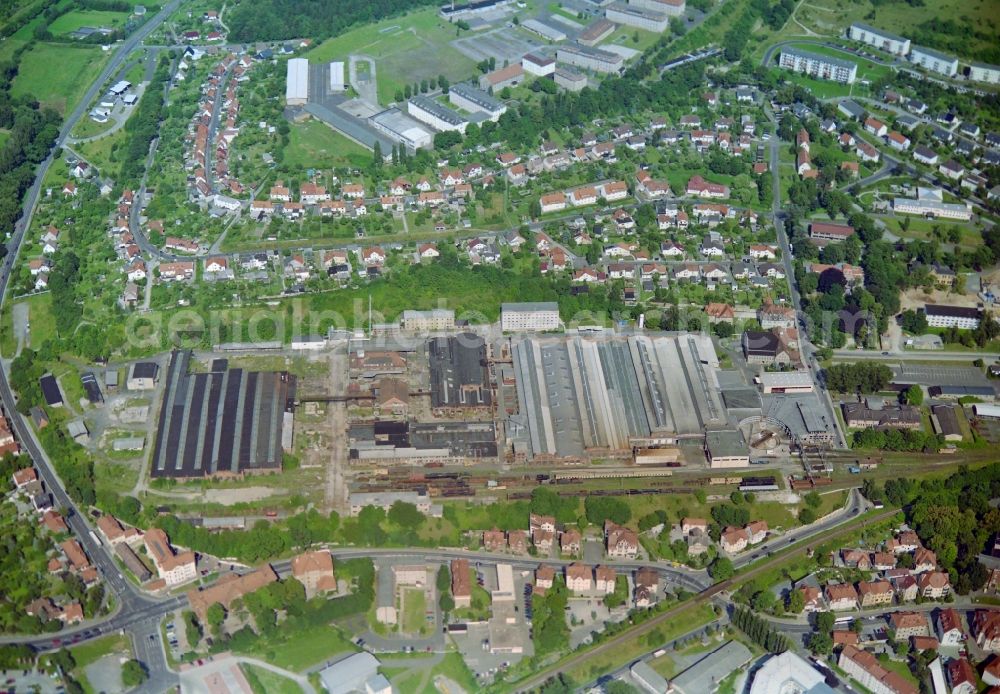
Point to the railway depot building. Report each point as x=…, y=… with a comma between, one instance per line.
x=223, y=422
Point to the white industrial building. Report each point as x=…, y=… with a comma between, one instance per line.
x=337, y=83
x=671, y=8
x=891, y=43
x=538, y=65
x=816, y=65
x=934, y=61
x=930, y=203
x=590, y=58
x=537, y=316
x=432, y=113
x=297, y=82
x=982, y=72
x=639, y=17
x=402, y=129
x=120, y=88
x=472, y=99
x=434, y=320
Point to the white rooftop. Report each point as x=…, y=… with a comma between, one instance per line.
x=788, y=673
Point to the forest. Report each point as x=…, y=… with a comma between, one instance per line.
x=277, y=20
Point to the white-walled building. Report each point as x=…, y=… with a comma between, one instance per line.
x=934, y=61
x=435, y=115
x=639, y=17
x=590, y=58
x=297, y=82
x=816, y=65
x=983, y=72
x=672, y=8
x=538, y=65
x=337, y=82
x=930, y=203
x=962, y=317
x=891, y=43
x=472, y=99
x=536, y=316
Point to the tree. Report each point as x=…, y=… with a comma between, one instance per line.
x=406, y=515
x=807, y=516
x=215, y=616
x=825, y=621
x=914, y=395
x=443, y=580
x=821, y=643
x=913, y=322
x=721, y=569
x=813, y=499
x=796, y=602
x=762, y=601
x=133, y=674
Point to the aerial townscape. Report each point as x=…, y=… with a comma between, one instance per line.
x=460, y=346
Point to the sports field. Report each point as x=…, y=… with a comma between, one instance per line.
x=71, y=21
x=406, y=50
x=57, y=75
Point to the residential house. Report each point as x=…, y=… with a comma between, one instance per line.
x=841, y=596
x=934, y=585
x=579, y=578
x=734, y=540
x=874, y=593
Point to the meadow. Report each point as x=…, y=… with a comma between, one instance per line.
x=58, y=75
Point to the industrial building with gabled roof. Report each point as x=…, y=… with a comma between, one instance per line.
x=222, y=422
x=459, y=373
x=297, y=82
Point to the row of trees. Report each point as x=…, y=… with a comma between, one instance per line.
x=759, y=631
x=865, y=377
x=144, y=125
x=276, y=20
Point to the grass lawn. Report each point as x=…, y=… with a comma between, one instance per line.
x=408, y=680
x=71, y=21
x=602, y=663
x=302, y=648
x=99, y=152
x=414, y=607
x=266, y=682
x=867, y=69
x=406, y=49
x=41, y=321
x=57, y=75
x=899, y=667
x=316, y=145
x=88, y=127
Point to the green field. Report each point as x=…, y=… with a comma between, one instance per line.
x=314, y=144
x=305, y=647
x=58, y=75
x=98, y=152
x=406, y=50
x=71, y=21
x=263, y=681
x=419, y=679
x=414, y=607
x=86, y=127
x=91, y=652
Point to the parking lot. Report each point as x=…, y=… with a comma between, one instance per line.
x=935, y=375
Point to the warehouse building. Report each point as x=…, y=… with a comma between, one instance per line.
x=785, y=382
x=453, y=11
x=529, y=317
x=934, y=61
x=581, y=397
x=639, y=17
x=459, y=371
x=590, y=58
x=671, y=8
x=337, y=82
x=297, y=82
x=467, y=97
x=402, y=129
x=414, y=443
x=439, y=117
x=883, y=40
x=944, y=418
x=819, y=66
x=546, y=31
x=509, y=76
x=222, y=422
x=596, y=32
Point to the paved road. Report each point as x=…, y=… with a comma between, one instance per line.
x=709, y=594
x=856, y=505
x=806, y=348
x=133, y=607
x=913, y=355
